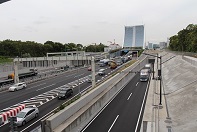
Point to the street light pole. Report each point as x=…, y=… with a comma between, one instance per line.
x=160, y=75
x=160, y=102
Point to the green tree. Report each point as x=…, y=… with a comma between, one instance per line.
x=186, y=40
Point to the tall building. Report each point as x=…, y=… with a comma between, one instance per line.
x=150, y=45
x=162, y=45
x=134, y=36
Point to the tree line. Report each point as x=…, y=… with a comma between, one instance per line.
x=185, y=40
x=12, y=48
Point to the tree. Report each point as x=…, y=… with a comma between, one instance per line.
x=186, y=40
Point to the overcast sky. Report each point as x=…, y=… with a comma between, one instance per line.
x=93, y=21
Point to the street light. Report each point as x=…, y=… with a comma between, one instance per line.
x=159, y=74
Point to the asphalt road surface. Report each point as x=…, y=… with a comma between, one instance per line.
x=47, y=101
x=124, y=112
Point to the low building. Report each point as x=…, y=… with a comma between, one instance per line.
x=112, y=47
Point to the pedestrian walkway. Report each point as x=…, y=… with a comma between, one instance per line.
x=154, y=119
x=179, y=94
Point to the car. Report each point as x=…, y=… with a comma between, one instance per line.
x=65, y=92
x=89, y=80
x=101, y=72
x=90, y=68
x=119, y=62
x=17, y=86
x=102, y=64
x=26, y=115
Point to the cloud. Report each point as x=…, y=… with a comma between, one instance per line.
x=91, y=21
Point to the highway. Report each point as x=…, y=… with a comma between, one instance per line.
x=124, y=112
x=43, y=94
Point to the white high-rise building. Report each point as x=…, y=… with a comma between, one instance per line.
x=134, y=36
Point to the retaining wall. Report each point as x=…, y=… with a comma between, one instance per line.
x=191, y=60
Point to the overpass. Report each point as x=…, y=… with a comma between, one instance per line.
x=75, y=58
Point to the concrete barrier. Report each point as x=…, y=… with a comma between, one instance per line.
x=75, y=116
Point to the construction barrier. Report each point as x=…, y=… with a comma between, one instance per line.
x=10, y=113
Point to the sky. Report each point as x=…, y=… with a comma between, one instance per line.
x=93, y=21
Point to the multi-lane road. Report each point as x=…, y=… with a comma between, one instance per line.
x=124, y=112
x=43, y=94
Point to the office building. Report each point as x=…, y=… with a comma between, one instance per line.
x=134, y=36
x=163, y=45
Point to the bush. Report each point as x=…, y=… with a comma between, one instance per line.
x=4, y=59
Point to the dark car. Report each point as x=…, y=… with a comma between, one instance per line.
x=64, y=93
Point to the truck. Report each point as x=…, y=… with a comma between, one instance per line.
x=148, y=66
x=144, y=75
x=113, y=65
x=31, y=72
x=6, y=81
x=103, y=62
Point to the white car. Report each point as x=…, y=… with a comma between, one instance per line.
x=18, y=86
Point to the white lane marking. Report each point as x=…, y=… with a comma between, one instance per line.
x=70, y=75
x=129, y=96
x=137, y=83
x=78, y=75
x=45, y=87
x=35, y=86
x=141, y=108
x=113, y=123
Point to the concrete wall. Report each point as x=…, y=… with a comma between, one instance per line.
x=42, y=63
x=74, y=117
x=54, y=58
x=191, y=60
